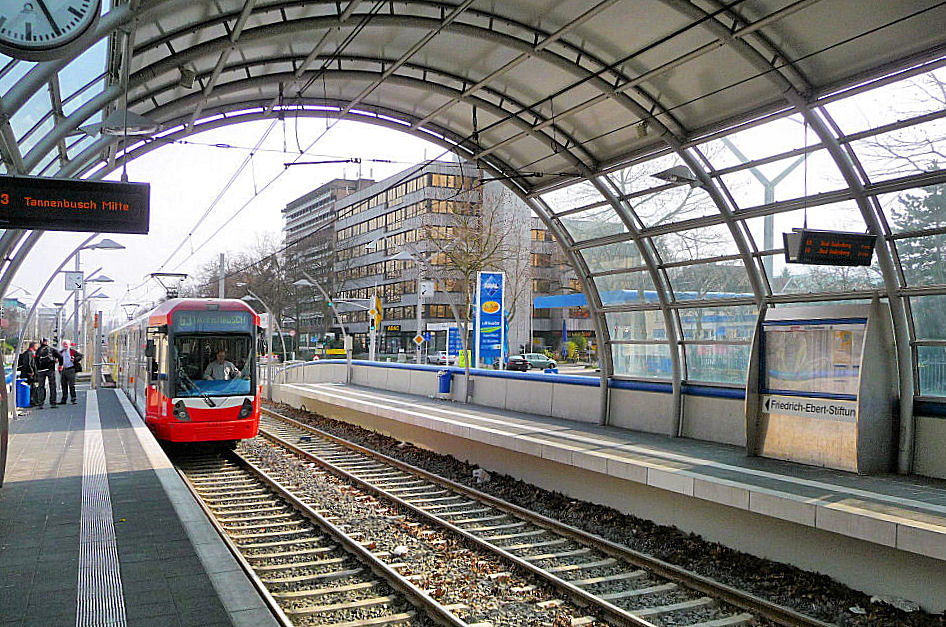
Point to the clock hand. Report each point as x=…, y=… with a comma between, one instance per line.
x=49, y=16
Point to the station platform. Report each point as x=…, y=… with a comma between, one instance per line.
x=845, y=525
x=97, y=528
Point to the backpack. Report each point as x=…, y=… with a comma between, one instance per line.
x=77, y=361
x=45, y=359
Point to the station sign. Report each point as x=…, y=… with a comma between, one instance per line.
x=75, y=280
x=821, y=408
x=30, y=202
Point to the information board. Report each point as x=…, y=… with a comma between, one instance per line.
x=812, y=358
x=829, y=248
x=29, y=202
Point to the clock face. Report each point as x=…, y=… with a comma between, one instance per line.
x=37, y=30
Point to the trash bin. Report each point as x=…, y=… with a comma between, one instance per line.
x=22, y=393
x=444, y=378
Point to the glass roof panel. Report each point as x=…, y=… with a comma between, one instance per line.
x=784, y=179
x=697, y=243
x=17, y=71
x=909, y=150
x=594, y=223
x=87, y=65
x=673, y=205
x=758, y=142
x=31, y=113
x=571, y=197
x=616, y=256
x=891, y=103
x=640, y=176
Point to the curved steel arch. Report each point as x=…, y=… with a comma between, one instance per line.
x=891, y=276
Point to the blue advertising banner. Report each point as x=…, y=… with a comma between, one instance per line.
x=489, y=317
x=454, y=345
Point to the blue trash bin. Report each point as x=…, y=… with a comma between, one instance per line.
x=444, y=378
x=22, y=393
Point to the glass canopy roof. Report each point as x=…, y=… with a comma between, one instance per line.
x=777, y=113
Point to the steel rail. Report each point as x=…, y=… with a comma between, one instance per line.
x=261, y=588
x=577, y=595
x=434, y=610
x=772, y=611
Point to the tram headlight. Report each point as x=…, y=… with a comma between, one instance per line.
x=180, y=412
x=247, y=410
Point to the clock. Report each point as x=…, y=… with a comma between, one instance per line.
x=41, y=30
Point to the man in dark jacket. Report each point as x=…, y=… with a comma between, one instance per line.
x=46, y=359
x=26, y=366
x=70, y=361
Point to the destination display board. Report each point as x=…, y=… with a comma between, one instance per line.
x=212, y=321
x=829, y=248
x=29, y=202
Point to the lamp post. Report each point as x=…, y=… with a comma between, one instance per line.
x=308, y=281
x=269, y=337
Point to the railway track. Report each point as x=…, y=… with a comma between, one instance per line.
x=307, y=568
x=622, y=585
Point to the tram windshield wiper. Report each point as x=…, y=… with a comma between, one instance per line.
x=193, y=386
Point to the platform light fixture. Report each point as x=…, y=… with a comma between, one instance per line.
x=678, y=175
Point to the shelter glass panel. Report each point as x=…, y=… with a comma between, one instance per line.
x=31, y=113
x=571, y=197
x=929, y=317
x=694, y=244
x=651, y=361
x=758, y=142
x=733, y=323
x=915, y=209
x=627, y=288
x=76, y=75
x=594, y=223
x=637, y=325
x=891, y=103
x=717, y=363
x=905, y=151
x=784, y=179
x=923, y=260
x=640, y=176
x=931, y=363
x=673, y=205
x=710, y=281
x=617, y=256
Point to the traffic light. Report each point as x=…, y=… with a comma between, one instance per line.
x=371, y=324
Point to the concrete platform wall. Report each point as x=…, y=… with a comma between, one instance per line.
x=705, y=417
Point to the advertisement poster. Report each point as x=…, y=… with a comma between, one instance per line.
x=489, y=317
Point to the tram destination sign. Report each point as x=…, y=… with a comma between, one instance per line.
x=28, y=202
x=829, y=248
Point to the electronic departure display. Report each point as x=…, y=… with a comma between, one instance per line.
x=29, y=202
x=829, y=248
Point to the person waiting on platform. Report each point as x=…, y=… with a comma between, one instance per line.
x=220, y=369
x=70, y=363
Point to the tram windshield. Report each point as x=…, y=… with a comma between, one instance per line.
x=213, y=365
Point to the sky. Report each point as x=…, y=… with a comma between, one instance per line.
x=186, y=179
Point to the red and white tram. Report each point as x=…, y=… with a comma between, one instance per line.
x=164, y=362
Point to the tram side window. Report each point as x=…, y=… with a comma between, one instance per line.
x=198, y=371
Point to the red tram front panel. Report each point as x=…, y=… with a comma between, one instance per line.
x=198, y=357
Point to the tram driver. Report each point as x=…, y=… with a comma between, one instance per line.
x=220, y=369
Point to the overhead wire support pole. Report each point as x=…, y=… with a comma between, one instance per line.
x=338, y=318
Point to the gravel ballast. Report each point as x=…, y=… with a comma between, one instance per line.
x=811, y=593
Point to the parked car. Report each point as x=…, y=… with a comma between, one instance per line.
x=530, y=360
x=441, y=358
